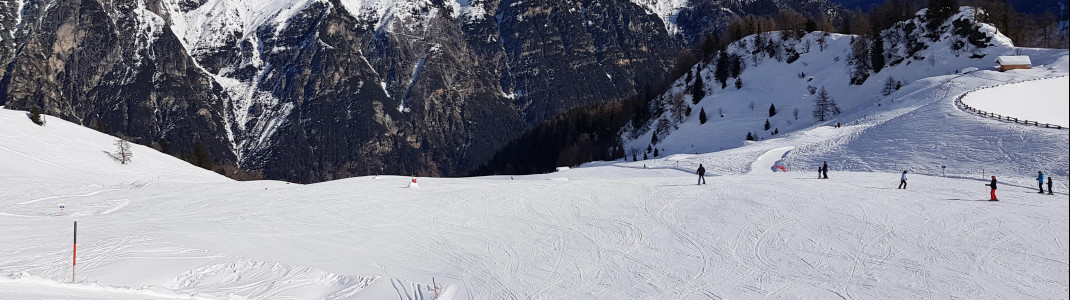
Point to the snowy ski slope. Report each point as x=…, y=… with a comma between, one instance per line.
x=159, y=228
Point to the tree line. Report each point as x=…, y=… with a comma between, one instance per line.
x=1026, y=30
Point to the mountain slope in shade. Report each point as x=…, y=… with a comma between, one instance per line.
x=311, y=90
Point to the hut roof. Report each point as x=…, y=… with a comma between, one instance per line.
x=1013, y=60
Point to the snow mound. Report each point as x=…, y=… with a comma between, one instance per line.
x=768, y=161
x=1041, y=100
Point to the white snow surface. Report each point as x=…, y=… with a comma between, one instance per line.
x=159, y=228
x=1044, y=100
x=667, y=10
x=215, y=21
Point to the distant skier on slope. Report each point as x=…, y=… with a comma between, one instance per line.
x=825, y=170
x=701, y=174
x=993, y=185
x=1040, y=181
x=903, y=180
x=1049, y=186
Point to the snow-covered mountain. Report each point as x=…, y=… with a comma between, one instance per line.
x=691, y=20
x=309, y=90
x=789, y=70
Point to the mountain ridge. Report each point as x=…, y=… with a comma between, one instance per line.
x=313, y=90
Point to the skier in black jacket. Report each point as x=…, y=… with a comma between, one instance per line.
x=701, y=174
x=1049, y=186
x=825, y=170
x=993, y=185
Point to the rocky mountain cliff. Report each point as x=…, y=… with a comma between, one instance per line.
x=312, y=90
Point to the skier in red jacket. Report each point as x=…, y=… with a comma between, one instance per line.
x=993, y=185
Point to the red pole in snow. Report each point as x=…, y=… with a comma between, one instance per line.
x=436, y=287
x=74, y=254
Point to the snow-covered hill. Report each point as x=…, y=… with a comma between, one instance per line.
x=916, y=127
x=158, y=228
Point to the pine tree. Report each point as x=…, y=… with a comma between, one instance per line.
x=35, y=116
x=722, y=71
x=698, y=90
x=655, y=152
x=776, y=131
x=859, y=60
x=702, y=116
x=811, y=25
x=889, y=86
x=821, y=105
x=750, y=136
x=772, y=110
x=739, y=83
x=767, y=125
x=101, y=127
x=737, y=65
x=123, y=153
x=877, y=53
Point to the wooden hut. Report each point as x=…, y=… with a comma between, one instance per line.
x=1007, y=63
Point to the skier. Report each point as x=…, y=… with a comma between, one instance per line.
x=993, y=185
x=903, y=180
x=1049, y=186
x=1040, y=181
x=701, y=174
x=819, y=169
x=825, y=170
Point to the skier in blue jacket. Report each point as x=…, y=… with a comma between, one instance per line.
x=1040, y=181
